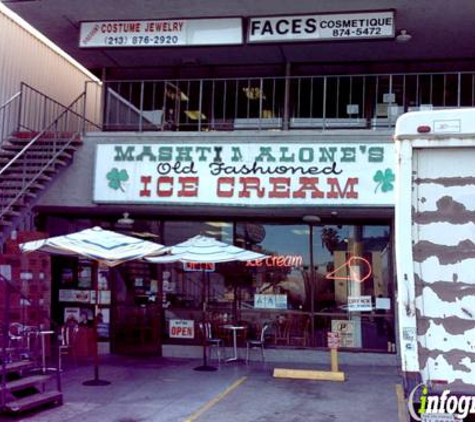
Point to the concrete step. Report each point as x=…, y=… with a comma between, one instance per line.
x=7, y=194
x=33, y=401
x=21, y=175
x=9, y=150
x=29, y=169
x=16, y=207
x=30, y=162
x=10, y=213
x=34, y=154
x=5, y=223
x=45, y=141
x=19, y=366
x=15, y=184
x=23, y=383
x=28, y=135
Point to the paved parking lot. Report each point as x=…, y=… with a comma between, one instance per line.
x=169, y=390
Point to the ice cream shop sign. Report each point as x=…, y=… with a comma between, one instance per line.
x=245, y=174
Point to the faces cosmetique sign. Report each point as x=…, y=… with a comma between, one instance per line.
x=161, y=33
x=322, y=27
x=245, y=174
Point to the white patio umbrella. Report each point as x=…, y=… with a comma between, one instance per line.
x=204, y=249
x=102, y=246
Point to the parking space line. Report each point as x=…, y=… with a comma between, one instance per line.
x=401, y=403
x=215, y=400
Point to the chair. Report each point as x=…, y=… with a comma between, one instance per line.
x=282, y=326
x=67, y=338
x=214, y=343
x=258, y=343
x=300, y=332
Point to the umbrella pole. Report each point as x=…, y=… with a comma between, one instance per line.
x=96, y=381
x=205, y=367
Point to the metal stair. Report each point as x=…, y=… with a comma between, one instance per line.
x=38, y=138
x=25, y=383
x=24, y=390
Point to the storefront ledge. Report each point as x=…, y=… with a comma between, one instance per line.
x=292, y=356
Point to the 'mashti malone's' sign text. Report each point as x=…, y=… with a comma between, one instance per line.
x=245, y=174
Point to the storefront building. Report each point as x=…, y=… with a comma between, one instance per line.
x=266, y=127
x=304, y=203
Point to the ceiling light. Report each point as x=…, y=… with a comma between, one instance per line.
x=403, y=36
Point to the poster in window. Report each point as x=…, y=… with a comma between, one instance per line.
x=65, y=295
x=86, y=316
x=103, y=323
x=84, y=275
x=71, y=315
x=103, y=279
x=67, y=276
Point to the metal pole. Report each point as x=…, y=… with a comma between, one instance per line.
x=6, y=326
x=312, y=289
x=285, y=125
x=205, y=367
x=96, y=381
x=200, y=105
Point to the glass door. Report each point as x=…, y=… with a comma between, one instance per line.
x=136, y=314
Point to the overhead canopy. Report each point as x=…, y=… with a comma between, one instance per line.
x=105, y=246
x=204, y=249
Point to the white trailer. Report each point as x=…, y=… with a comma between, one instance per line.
x=435, y=247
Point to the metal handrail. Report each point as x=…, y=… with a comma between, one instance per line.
x=8, y=115
x=12, y=202
x=52, y=100
x=38, y=136
x=246, y=78
x=67, y=120
x=10, y=100
x=338, y=101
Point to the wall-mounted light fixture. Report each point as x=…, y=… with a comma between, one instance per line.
x=311, y=219
x=125, y=220
x=403, y=36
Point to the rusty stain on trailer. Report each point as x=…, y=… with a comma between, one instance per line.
x=453, y=357
x=448, y=210
x=424, y=249
x=445, y=181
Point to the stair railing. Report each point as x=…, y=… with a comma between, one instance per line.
x=9, y=116
x=66, y=126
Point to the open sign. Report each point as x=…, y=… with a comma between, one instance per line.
x=182, y=328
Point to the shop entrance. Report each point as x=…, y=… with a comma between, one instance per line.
x=136, y=314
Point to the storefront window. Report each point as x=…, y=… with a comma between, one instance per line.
x=280, y=289
x=354, y=285
x=185, y=287
x=350, y=290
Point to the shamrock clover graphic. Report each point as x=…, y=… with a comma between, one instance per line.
x=385, y=180
x=116, y=177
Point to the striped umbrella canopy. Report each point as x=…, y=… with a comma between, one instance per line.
x=204, y=249
x=105, y=246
